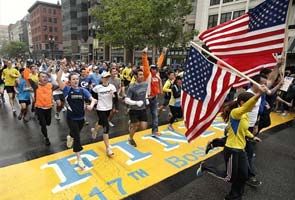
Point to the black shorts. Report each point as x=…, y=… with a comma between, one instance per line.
x=138, y=116
x=59, y=97
x=9, y=89
x=126, y=83
x=27, y=102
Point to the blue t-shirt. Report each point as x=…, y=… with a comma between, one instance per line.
x=23, y=89
x=75, y=99
x=95, y=78
x=85, y=82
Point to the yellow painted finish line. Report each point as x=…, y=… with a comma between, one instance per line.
x=129, y=171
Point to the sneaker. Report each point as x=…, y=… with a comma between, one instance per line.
x=111, y=124
x=81, y=164
x=86, y=122
x=110, y=152
x=93, y=133
x=20, y=116
x=70, y=141
x=47, y=142
x=57, y=117
x=170, y=127
x=252, y=181
x=132, y=142
x=209, y=147
x=200, y=170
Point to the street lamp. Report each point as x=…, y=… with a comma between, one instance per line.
x=51, y=43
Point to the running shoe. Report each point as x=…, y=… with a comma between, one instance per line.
x=200, y=170
x=93, y=133
x=47, y=142
x=111, y=124
x=57, y=117
x=110, y=152
x=70, y=141
x=81, y=164
x=132, y=142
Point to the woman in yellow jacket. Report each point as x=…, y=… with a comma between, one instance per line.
x=236, y=115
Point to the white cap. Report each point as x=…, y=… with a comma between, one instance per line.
x=105, y=74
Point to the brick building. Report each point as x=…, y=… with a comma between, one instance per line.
x=46, y=28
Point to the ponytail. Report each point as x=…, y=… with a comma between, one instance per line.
x=227, y=108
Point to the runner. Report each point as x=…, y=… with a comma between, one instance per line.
x=75, y=97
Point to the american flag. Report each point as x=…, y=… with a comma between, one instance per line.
x=204, y=89
x=251, y=38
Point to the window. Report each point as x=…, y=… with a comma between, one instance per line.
x=238, y=14
x=50, y=28
x=46, y=46
x=44, y=19
x=225, y=17
x=212, y=21
x=44, y=10
x=55, y=20
x=54, y=11
x=55, y=29
x=227, y=1
x=46, y=37
x=49, y=11
x=44, y=28
x=49, y=19
x=214, y=2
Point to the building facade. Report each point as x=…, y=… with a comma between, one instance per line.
x=4, y=36
x=46, y=29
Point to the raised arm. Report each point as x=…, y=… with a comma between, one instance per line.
x=59, y=75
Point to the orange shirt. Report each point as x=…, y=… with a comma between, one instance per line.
x=44, y=96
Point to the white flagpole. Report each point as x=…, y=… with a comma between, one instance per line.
x=226, y=64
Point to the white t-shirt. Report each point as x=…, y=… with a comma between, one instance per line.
x=105, y=96
x=253, y=114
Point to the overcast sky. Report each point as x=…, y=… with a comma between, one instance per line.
x=13, y=10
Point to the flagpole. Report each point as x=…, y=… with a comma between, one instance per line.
x=226, y=64
x=285, y=47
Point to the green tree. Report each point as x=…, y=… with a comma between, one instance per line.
x=14, y=49
x=138, y=23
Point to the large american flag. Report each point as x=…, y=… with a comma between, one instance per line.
x=247, y=43
x=204, y=89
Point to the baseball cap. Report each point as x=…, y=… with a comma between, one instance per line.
x=105, y=74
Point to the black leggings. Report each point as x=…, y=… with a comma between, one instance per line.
x=176, y=113
x=103, y=120
x=44, y=117
x=75, y=129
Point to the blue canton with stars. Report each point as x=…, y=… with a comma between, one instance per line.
x=267, y=14
x=196, y=75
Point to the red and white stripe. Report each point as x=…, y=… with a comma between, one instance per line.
x=233, y=39
x=198, y=115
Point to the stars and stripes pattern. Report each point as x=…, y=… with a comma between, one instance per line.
x=248, y=42
x=204, y=89
x=261, y=30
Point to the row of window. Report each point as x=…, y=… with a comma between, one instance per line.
x=49, y=19
x=46, y=38
x=217, y=2
x=47, y=46
x=44, y=10
x=50, y=28
x=213, y=19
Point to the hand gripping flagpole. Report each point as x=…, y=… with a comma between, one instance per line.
x=232, y=69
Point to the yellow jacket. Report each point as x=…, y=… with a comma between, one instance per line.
x=239, y=124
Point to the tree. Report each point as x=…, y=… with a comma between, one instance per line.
x=14, y=49
x=138, y=23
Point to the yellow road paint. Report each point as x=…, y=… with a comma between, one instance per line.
x=129, y=171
